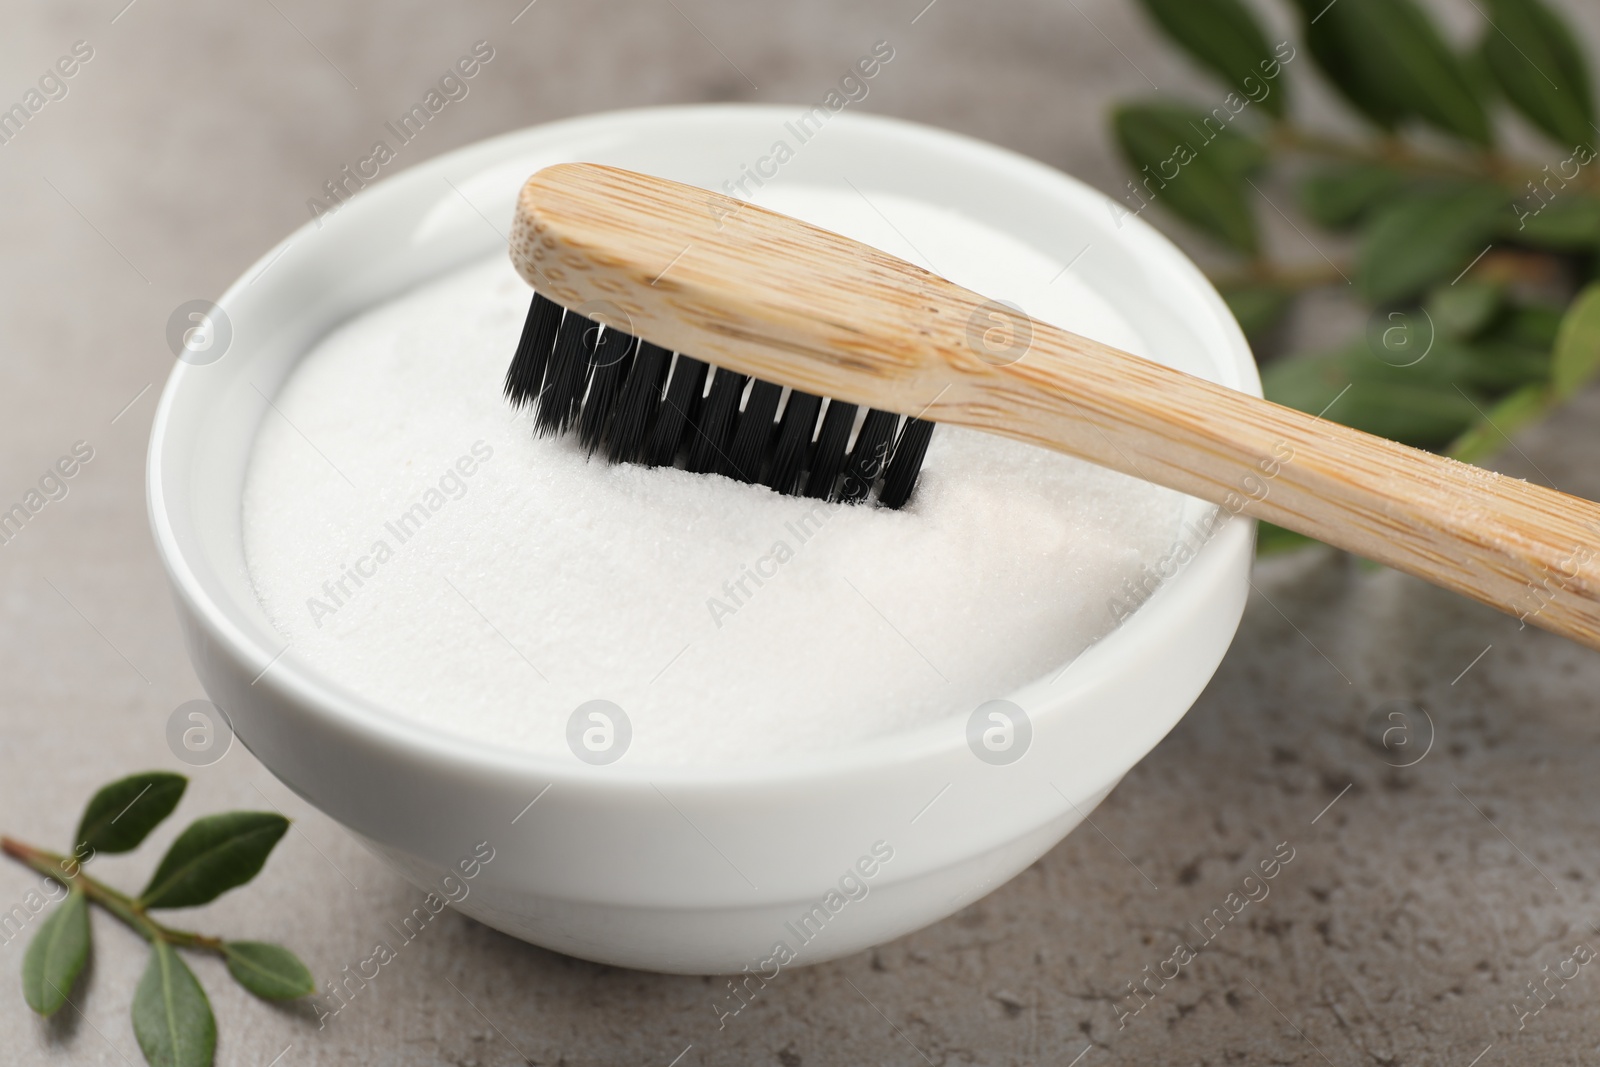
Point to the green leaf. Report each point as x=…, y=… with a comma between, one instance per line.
x=1194, y=165
x=56, y=954
x=271, y=972
x=1423, y=416
x=1340, y=196
x=123, y=813
x=1540, y=67
x=1389, y=60
x=1491, y=431
x=1427, y=236
x=1355, y=388
x=171, y=1016
x=1417, y=348
x=1224, y=37
x=1341, y=60
x=1465, y=309
x=1568, y=223
x=1486, y=366
x=1532, y=325
x=1308, y=383
x=1272, y=540
x=1577, y=354
x=1494, y=366
x=1402, y=339
x=212, y=856
x=1233, y=154
x=1477, y=68
x=1257, y=307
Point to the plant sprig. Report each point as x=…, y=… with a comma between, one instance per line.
x=1481, y=270
x=172, y=1017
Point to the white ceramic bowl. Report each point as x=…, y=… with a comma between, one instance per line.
x=686, y=870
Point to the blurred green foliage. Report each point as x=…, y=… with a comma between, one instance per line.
x=1480, y=270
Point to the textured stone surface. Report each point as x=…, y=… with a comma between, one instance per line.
x=1412, y=914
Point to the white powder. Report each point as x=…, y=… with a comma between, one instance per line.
x=730, y=623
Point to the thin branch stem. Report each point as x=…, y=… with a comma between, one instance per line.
x=1397, y=153
x=1297, y=279
x=1390, y=151
x=56, y=866
x=1500, y=266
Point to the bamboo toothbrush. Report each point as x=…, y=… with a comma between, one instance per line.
x=757, y=293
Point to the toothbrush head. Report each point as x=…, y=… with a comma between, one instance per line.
x=583, y=372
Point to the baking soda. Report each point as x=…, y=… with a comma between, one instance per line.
x=414, y=542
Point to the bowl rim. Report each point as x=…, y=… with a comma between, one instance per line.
x=286, y=677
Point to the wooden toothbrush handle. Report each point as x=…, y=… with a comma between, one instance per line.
x=1529, y=551
x=764, y=294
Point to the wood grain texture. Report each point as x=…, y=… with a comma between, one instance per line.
x=764, y=294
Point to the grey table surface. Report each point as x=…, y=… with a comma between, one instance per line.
x=1418, y=905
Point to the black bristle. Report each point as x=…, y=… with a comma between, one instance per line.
x=754, y=431
x=568, y=374
x=636, y=407
x=833, y=441
x=870, y=454
x=638, y=402
x=708, y=441
x=526, y=372
x=678, y=409
x=794, y=438
x=611, y=359
x=906, y=463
